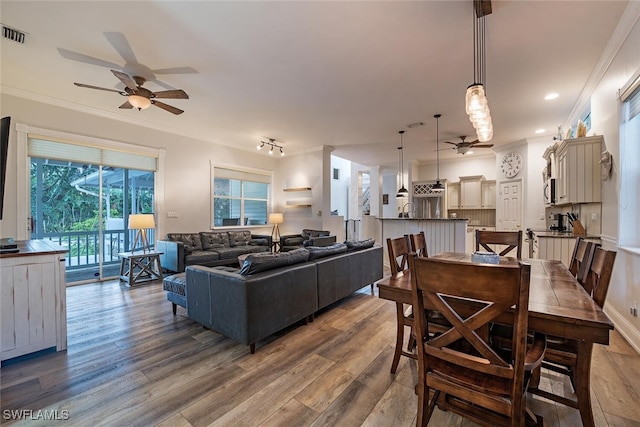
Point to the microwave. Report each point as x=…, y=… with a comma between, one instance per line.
x=549, y=191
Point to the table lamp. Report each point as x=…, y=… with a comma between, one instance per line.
x=275, y=219
x=141, y=222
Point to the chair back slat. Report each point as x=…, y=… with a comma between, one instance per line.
x=581, y=259
x=511, y=239
x=599, y=275
x=419, y=244
x=398, y=250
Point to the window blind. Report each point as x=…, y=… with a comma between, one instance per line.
x=48, y=148
x=241, y=175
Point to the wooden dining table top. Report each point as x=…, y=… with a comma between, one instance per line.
x=558, y=304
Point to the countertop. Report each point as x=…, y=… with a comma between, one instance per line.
x=563, y=235
x=35, y=247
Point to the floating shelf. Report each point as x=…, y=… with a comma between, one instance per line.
x=297, y=189
x=298, y=206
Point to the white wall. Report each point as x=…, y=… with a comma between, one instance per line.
x=453, y=169
x=340, y=188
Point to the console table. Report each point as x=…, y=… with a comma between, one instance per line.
x=139, y=267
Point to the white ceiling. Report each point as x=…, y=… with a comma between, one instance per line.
x=348, y=74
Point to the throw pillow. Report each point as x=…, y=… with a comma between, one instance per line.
x=255, y=263
x=355, y=245
x=316, y=252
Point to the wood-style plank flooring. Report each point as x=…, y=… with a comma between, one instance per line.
x=130, y=362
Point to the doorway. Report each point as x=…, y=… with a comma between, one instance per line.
x=509, y=212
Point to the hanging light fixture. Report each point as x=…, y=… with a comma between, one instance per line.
x=402, y=192
x=476, y=104
x=437, y=187
x=271, y=143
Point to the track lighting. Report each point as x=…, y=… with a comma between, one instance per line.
x=271, y=143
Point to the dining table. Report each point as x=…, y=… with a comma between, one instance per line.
x=558, y=306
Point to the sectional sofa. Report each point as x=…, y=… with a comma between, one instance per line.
x=209, y=248
x=273, y=291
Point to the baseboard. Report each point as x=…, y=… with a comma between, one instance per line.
x=626, y=329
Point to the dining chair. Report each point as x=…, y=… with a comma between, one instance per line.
x=419, y=244
x=581, y=258
x=468, y=377
x=398, y=250
x=561, y=355
x=511, y=239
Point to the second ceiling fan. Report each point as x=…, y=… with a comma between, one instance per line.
x=463, y=146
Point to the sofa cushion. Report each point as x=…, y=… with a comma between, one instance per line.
x=355, y=245
x=234, y=252
x=256, y=263
x=191, y=241
x=214, y=239
x=201, y=257
x=259, y=242
x=239, y=238
x=307, y=233
x=292, y=241
x=316, y=252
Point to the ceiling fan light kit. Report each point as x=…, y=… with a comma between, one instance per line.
x=402, y=192
x=139, y=102
x=476, y=104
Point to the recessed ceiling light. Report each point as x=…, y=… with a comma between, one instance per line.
x=551, y=96
x=539, y=130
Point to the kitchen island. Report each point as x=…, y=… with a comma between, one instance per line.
x=442, y=234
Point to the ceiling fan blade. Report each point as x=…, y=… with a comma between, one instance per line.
x=124, y=78
x=483, y=146
x=175, y=94
x=452, y=143
x=126, y=105
x=176, y=70
x=101, y=88
x=166, y=107
x=81, y=57
x=121, y=45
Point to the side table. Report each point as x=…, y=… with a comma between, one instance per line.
x=275, y=246
x=138, y=267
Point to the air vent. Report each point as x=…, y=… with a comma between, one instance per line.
x=13, y=34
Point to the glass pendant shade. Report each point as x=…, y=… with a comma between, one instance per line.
x=139, y=102
x=475, y=99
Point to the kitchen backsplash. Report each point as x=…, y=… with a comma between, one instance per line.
x=589, y=215
x=486, y=217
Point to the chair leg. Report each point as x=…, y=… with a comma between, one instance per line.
x=174, y=307
x=399, y=336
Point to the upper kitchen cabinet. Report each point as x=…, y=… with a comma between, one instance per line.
x=488, y=194
x=578, y=166
x=470, y=192
x=453, y=195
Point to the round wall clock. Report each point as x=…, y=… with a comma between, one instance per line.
x=511, y=164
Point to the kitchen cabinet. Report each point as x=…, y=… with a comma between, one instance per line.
x=488, y=194
x=470, y=192
x=453, y=195
x=33, y=303
x=578, y=169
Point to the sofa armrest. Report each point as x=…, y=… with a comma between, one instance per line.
x=320, y=241
x=266, y=237
x=172, y=258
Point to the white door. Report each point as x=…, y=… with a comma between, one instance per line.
x=510, y=209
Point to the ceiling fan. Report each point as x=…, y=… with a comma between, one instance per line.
x=463, y=146
x=140, y=97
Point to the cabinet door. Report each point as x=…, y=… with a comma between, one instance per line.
x=453, y=195
x=470, y=194
x=488, y=194
x=561, y=182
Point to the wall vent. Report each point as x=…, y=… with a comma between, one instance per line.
x=13, y=34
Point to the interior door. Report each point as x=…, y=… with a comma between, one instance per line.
x=510, y=208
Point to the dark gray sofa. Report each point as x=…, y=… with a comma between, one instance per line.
x=251, y=306
x=209, y=248
x=308, y=237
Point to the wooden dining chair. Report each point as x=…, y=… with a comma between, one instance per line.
x=419, y=244
x=466, y=374
x=561, y=355
x=398, y=250
x=511, y=239
x=581, y=259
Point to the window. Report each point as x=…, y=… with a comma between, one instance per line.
x=629, y=168
x=240, y=198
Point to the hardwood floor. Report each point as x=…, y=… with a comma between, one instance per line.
x=131, y=362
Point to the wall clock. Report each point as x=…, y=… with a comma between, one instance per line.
x=511, y=164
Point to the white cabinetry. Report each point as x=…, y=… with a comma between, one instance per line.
x=470, y=190
x=32, y=302
x=578, y=166
x=453, y=195
x=488, y=196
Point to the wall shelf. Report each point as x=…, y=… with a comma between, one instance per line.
x=301, y=205
x=297, y=189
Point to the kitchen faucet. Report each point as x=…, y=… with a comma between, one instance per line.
x=412, y=211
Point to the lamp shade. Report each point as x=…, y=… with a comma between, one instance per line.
x=141, y=221
x=139, y=102
x=276, y=218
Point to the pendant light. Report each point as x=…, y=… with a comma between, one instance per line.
x=402, y=192
x=437, y=187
